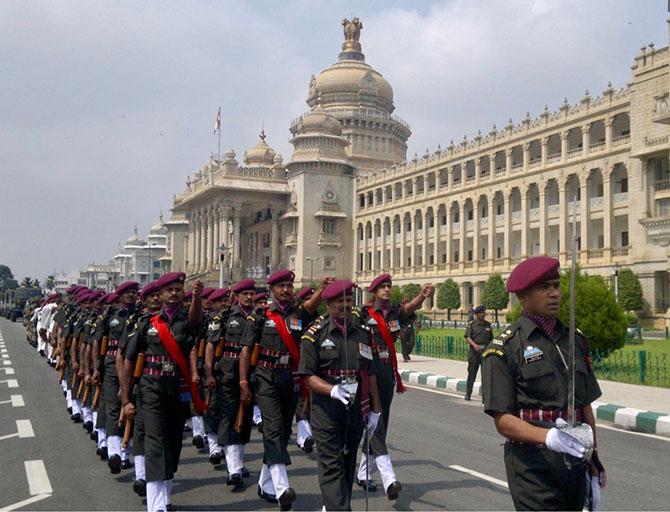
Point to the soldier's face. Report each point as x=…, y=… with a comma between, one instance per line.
x=172, y=294
x=225, y=302
x=481, y=316
x=128, y=298
x=543, y=299
x=383, y=292
x=341, y=306
x=246, y=298
x=283, y=292
x=153, y=301
x=216, y=305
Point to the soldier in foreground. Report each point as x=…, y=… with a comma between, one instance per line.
x=335, y=357
x=525, y=382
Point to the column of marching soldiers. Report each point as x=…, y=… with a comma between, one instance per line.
x=136, y=364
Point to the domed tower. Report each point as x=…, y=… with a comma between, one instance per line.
x=261, y=155
x=361, y=99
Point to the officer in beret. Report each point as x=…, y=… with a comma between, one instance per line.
x=336, y=356
x=167, y=385
x=277, y=330
x=385, y=322
x=478, y=335
x=222, y=369
x=525, y=373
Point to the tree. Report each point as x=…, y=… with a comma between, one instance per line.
x=597, y=313
x=448, y=296
x=396, y=295
x=26, y=282
x=630, y=290
x=5, y=276
x=50, y=282
x=409, y=291
x=495, y=295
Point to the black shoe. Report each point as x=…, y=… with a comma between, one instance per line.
x=42, y=353
x=286, y=499
x=65, y=394
x=69, y=411
x=393, y=491
x=371, y=485
x=198, y=442
x=260, y=427
x=114, y=464
x=88, y=426
x=126, y=464
x=270, y=498
x=140, y=488
x=170, y=507
x=104, y=454
x=94, y=436
x=76, y=418
x=467, y=398
x=309, y=445
x=235, y=480
x=245, y=472
x=215, y=458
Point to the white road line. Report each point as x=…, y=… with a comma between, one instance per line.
x=437, y=392
x=5, y=356
x=8, y=371
x=25, y=428
x=15, y=400
x=643, y=434
x=6, y=362
x=11, y=383
x=38, y=480
x=477, y=474
x=23, y=503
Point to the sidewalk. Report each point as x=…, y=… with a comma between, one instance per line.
x=635, y=413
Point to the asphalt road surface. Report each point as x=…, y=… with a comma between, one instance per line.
x=446, y=452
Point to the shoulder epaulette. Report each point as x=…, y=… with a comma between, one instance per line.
x=503, y=337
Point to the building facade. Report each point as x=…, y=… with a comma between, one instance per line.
x=143, y=260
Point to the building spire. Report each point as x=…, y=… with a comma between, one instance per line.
x=351, y=47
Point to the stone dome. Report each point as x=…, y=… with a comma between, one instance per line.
x=320, y=121
x=261, y=154
x=135, y=238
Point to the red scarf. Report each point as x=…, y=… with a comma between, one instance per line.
x=175, y=353
x=388, y=340
x=289, y=342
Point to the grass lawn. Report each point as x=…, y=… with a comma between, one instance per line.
x=656, y=347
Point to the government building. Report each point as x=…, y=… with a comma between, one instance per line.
x=349, y=203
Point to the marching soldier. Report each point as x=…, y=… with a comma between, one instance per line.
x=478, y=335
x=167, y=384
x=197, y=420
x=304, y=439
x=385, y=321
x=335, y=357
x=222, y=366
x=525, y=378
x=276, y=330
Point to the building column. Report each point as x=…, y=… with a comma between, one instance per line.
x=492, y=232
x=543, y=220
x=584, y=218
x=385, y=238
x=608, y=132
x=507, y=215
x=191, y=245
x=508, y=161
x=564, y=145
x=201, y=245
x=563, y=223
x=475, y=234
x=373, y=240
x=210, y=239
x=607, y=215
x=424, y=246
x=524, y=223
x=526, y=156
x=448, y=239
x=585, y=139
x=461, y=248
x=392, y=261
x=545, y=143
x=436, y=236
x=237, y=221
x=274, y=243
x=217, y=232
x=413, y=242
x=403, y=260
x=478, y=170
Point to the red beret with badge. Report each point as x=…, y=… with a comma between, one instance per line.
x=219, y=293
x=127, y=286
x=244, y=285
x=377, y=281
x=281, y=276
x=170, y=278
x=532, y=271
x=337, y=289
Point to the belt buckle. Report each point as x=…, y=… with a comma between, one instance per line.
x=283, y=359
x=350, y=384
x=168, y=366
x=384, y=354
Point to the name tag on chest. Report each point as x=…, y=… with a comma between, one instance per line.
x=365, y=351
x=394, y=325
x=532, y=354
x=295, y=324
x=284, y=359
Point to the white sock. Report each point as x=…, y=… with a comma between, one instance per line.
x=140, y=469
x=198, y=426
x=63, y=384
x=386, y=470
x=265, y=480
x=167, y=485
x=257, y=415
x=114, y=445
x=125, y=452
x=102, y=438
x=88, y=413
x=76, y=407
x=156, y=496
x=233, y=461
x=304, y=431
x=95, y=417
x=213, y=443
x=279, y=478
x=364, y=464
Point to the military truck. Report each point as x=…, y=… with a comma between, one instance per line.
x=16, y=301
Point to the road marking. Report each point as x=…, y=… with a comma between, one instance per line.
x=6, y=362
x=5, y=356
x=23, y=503
x=8, y=371
x=24, y=429
x=38, y=480
x=15, y=400
x=624, y=431
x=477, y=474
x=11, y=383
x=3, y=350
x=438, y=392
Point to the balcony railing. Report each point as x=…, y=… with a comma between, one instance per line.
x=595, y=253
x=660, y=185
x=621, y=139
x=469, y=225
x=620, y=251
x=516, y=216
x=554, y=158
x=574, y=153
x=598, y=146
x=456, y=226
x=500, y=219
x=596, y=203
x=621, y=197
x=484, y=222
x=534, y=213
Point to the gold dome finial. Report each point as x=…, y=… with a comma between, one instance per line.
x=351, y=47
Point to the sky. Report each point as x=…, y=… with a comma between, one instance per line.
x=107, y=107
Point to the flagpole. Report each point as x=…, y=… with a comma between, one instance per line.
x=219, y=134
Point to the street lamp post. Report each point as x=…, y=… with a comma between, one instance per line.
x=222, y=257
x=311, y=267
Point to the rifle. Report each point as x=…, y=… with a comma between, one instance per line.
x=87, y=393
x=241, y=409
x=80, y=389
x=137, y=373
x=101, y=358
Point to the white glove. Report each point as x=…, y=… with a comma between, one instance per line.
x=341, y=394
x=594, y=482
x=559, y=441
x=373, y=421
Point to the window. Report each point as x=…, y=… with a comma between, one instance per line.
x=329, y=226
x=499, y=252
x=624, y=239
x=469, y=254
x=157, y=264
x=456, y=255
x=624, y=185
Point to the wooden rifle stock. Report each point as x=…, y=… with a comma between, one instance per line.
x=103, y=346
x=61, y=373
x=96, y=397
x=80, y=389
x=87, y=393
x=137, y=373
x=127, y=433
x=218, y=352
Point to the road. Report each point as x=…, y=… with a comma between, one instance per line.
x=446, y=452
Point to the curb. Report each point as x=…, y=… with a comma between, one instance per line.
x=632, y=419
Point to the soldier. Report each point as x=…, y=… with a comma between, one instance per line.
x=276, y=330
x=112, y=327
x=222, y=363
x=167, y=385
x=335, y=357
x=478, y=335
x=78, y=349
x=525, y=379
x=385, y=322
x=261, y=300
x=304, y=439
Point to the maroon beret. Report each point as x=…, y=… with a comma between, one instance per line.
x=73, y=289
x=338, y=289
x=244, y=285
x=379, y=280
x=219, y=293
x=111, y=298
x=83, y=291
x=260, y=296
x=532, y=271
x=188, y=295
x=206, y=292
x=127, y=286
x=53, y=296
x=281, y=276
x=169, y=278
x=84, y=297
x=304, y=292
x=151, y=287
x=102, y=299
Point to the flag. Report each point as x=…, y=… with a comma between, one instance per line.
x=217, y=123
